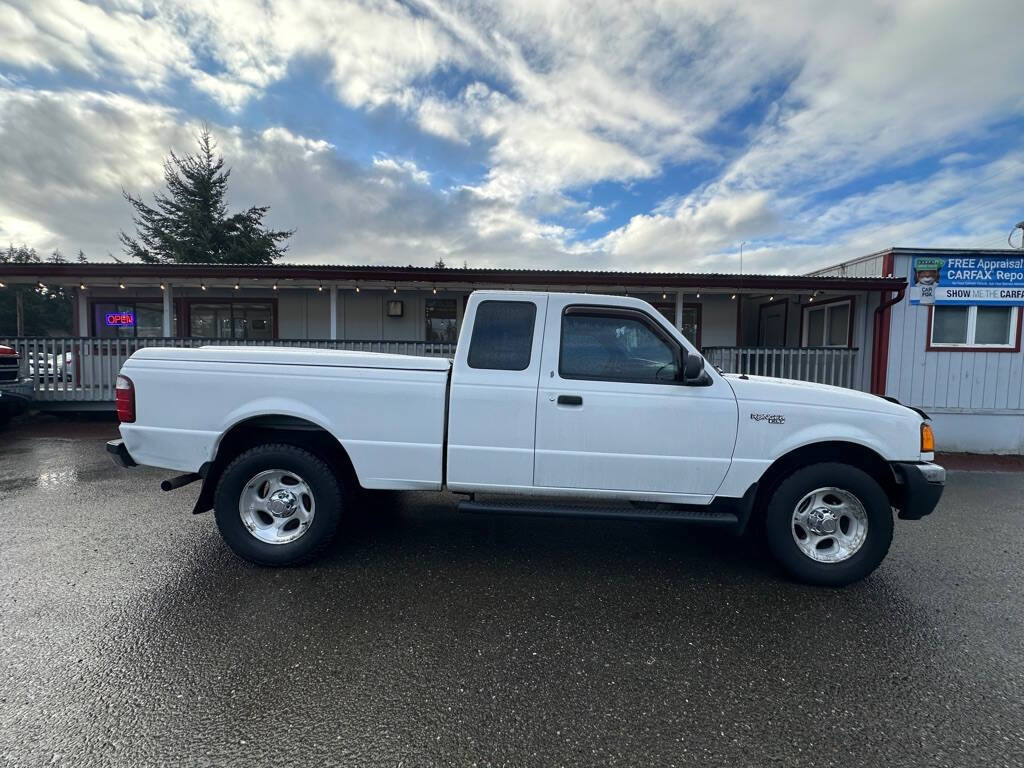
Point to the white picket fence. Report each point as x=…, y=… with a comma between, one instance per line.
x=823, y=365
x=78, y=369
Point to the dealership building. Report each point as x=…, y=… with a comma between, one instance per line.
x=863, y=324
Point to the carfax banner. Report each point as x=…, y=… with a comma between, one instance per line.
x=991, y=280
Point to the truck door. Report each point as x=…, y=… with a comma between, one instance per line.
x=493, y=399
x=612, y=415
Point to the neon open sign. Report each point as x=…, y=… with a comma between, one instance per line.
x=120, y=319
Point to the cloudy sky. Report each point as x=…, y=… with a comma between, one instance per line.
x=597, y=134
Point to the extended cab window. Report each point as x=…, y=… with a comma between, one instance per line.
x=615, y=346
x=502, y=335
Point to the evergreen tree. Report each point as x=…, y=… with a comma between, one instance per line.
x=20, y=255
x=81, y=257
x=46, y=310
x=56, y=257
x=190, y=222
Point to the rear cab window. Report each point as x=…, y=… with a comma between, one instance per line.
x=502, y=335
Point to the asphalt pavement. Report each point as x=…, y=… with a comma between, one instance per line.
x=130, y=636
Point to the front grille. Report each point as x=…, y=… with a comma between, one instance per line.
x=8, y=369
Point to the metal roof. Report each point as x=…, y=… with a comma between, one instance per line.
x=75, y=271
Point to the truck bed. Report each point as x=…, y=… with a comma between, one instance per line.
x=387, y=410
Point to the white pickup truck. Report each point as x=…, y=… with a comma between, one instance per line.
x=595, y=404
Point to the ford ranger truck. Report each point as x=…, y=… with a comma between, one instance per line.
x=555, y=404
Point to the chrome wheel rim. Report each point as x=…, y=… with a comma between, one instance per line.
x=829, y=525
x=277, y=506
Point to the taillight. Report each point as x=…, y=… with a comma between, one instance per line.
x=124, y=396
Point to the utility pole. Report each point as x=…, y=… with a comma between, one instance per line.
x=19, y=312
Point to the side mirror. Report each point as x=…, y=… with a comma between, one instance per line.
x=693, y=366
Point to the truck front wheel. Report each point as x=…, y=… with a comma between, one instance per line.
x=277, y=504
x=829, y=524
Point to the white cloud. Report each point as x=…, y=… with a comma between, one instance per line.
x=393, y=167
x=774, y=108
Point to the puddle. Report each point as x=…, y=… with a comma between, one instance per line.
x=54, y=480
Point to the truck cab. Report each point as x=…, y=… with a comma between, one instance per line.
x=590, y=396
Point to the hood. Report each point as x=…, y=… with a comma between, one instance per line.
x=768, y=389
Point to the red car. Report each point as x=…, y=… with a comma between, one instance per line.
x=15, y=389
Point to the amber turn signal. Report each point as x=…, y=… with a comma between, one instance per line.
x=927, y=439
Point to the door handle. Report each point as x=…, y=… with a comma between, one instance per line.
x=570, y=400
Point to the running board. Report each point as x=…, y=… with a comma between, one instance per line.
x=680, y=514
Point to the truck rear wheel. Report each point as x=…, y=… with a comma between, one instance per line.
x=829, y=524
x=277, y=504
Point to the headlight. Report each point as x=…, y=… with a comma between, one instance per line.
x=927, y=438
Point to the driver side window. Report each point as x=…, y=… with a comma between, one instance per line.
x=615, y=346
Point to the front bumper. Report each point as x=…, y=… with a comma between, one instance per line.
x=919, y=488
x=119, y=452
x=21, y=391
x=15, y=398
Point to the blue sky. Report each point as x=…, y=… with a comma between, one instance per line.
x=539, y=133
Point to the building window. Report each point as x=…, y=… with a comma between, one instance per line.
x=827, y=325
x=973, y=327
x=127, y=319
x=691, y=319
x=231, y=320
x=441, y=320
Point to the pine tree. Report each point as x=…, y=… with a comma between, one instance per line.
x=190, y=222
x=81, y=257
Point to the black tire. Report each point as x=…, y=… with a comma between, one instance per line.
x=779, y=524
x=313, y=470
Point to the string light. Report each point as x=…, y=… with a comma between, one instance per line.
x=435, y=290
x=81, y=286
x=3, y=285
x=664, y=295
x=771, y=298
x=236, y=285
x=163, y=287
x=275, y=285
x=121, y=285
x=395, y=289
x=357, y=289
x=202, y=286
x=733, y=297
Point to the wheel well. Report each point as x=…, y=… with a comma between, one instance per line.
x=818, y=453
x=274, y=428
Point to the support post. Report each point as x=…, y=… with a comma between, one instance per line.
x=82, y=306
x=679, y=310
x=334, y=312
x=168, y=310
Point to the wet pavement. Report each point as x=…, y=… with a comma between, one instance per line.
x=130, y=636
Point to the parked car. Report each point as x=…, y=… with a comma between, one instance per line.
x=15, y=389
x=50, y=367
x=593, y=400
